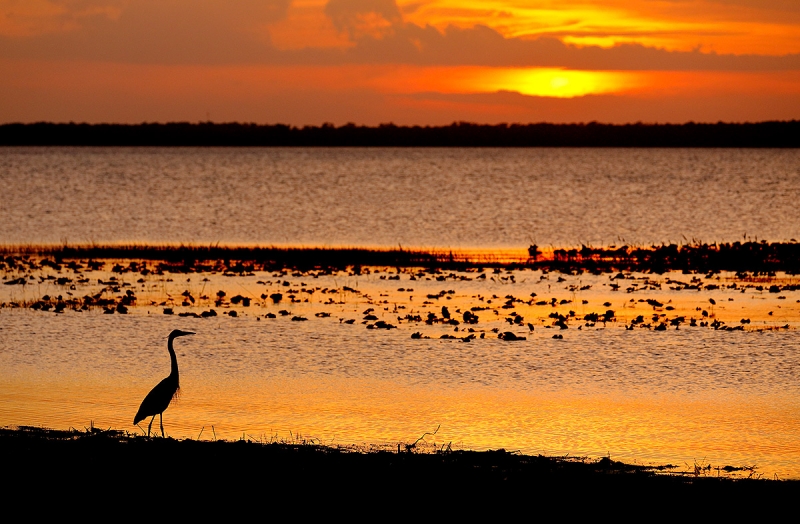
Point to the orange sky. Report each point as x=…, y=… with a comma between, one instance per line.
x=410, y=62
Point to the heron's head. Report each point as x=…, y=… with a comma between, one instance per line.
x=178, y=333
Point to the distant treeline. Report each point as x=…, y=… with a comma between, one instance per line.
x=458, y=134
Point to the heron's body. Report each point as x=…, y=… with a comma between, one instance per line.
x=159, y=398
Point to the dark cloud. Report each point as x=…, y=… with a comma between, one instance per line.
x=156, y=31
x=481, y=45
x=350, y=16
x=204, y=32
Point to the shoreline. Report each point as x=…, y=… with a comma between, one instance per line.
x=750, y=256
x=50, y=451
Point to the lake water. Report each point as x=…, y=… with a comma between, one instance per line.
x=684, y=395
x=444, y=198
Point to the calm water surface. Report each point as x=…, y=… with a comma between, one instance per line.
x=674, y=396
x=446, y=198
x=677, y=396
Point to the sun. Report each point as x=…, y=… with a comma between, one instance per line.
x=559, y=83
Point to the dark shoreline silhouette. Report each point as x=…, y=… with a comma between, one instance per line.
x=778, y=134
x=238, y=467
x=749, y=256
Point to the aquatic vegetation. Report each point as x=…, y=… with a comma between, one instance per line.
x=507, y=327
x=54, y=283
x=753, y=258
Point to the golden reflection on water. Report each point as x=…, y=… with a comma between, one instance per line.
x=659, y=429
x=676, y=396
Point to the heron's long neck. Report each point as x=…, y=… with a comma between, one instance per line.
x=173, y=360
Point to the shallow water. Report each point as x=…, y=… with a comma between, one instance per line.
x=444, y=198
x=674, y=396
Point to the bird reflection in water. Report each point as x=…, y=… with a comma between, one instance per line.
x=160, y=396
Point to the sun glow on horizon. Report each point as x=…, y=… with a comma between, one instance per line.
x=559, y=83
x=529, y=81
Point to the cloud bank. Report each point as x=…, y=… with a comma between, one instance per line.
x=211, y=32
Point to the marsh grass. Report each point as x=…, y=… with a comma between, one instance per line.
x=758, y=257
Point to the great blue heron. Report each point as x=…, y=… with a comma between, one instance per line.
x=160, y=396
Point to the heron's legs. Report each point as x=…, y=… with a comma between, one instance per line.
x=161, y=420
x=150, y=425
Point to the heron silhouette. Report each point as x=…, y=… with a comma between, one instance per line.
x=160, y=396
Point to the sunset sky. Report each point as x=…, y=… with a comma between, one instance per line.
x=406, y=61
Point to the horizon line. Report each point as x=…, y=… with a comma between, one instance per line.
x=455, y=123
